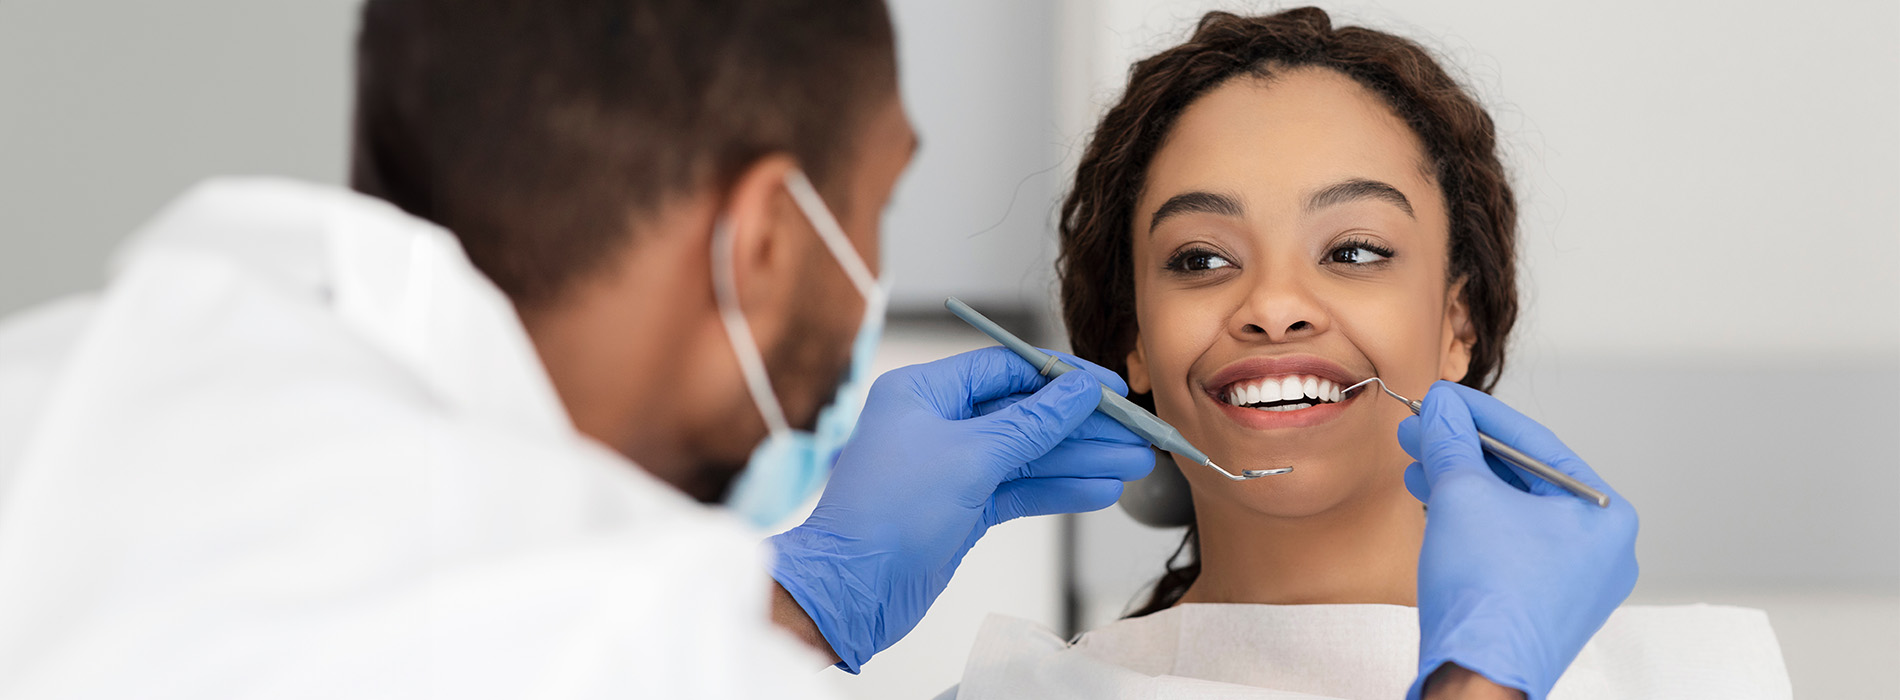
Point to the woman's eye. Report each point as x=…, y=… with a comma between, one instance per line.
x=1360, y=253
x=1197, y=261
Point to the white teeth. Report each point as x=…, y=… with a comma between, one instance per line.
x=1291, y=388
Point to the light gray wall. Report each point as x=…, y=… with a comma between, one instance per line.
x=110, y=109
x=971, y=218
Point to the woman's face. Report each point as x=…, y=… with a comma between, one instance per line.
x=1291, y=241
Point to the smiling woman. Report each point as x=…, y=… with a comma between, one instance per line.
x=1290, y=229
x=1274, y=211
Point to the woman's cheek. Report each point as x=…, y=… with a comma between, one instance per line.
x=1400, y=340
x=1168, y=340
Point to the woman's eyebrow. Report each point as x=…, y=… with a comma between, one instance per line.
x=1358, y=189
x=1196, y=202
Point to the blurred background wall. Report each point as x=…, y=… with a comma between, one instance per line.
x=1711, y=241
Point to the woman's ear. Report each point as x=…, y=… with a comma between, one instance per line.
x=1138, y=369
x=1457, y=335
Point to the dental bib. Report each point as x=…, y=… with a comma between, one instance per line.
x=1357, y=652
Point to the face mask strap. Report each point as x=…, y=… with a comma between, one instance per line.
x=831, y=233
x=751, y=363
x=744, y=346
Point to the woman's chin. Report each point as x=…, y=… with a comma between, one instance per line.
x=1308, y=490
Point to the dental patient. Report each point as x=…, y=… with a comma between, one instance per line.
x=1276, y=210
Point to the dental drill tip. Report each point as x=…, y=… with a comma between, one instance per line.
x=1257, y=473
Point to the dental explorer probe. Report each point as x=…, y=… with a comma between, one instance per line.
x=1149, y=426
x=1514, y=456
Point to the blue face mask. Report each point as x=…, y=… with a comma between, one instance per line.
x=791, y=465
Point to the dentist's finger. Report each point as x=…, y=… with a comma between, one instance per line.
x=1026, y=497
x=1097, y=427
x=1030, y=428
x=1092, y=460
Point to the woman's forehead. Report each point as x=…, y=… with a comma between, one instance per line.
x=1274, y=142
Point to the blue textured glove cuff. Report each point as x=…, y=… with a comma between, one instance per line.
x=815, y=577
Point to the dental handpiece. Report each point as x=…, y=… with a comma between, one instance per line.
x=1499, y=449
x=1137, y=419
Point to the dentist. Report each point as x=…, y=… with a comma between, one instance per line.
x=480, y=427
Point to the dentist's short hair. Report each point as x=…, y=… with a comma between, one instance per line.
x=541, y=131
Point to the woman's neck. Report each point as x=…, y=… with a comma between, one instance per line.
x=1362, y=551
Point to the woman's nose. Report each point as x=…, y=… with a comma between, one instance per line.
x=1279, y=308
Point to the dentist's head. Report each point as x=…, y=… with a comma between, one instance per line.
x=596, y=158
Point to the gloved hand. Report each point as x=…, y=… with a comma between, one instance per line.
x=943, y=452
x=1512, y=580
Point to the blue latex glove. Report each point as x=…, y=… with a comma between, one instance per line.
x=943, y=452
x=1512, y=580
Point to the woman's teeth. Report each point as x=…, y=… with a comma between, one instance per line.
x=1288, y=393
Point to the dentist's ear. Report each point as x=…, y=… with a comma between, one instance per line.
x=768, y=233
x=1456, y=337
x=1138, y=382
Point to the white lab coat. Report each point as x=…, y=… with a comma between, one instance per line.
x=300, y=448
x=1357, y=652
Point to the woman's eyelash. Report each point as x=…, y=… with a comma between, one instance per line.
x=1346, y=252
x=1352, y=251
x=1196, y=260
